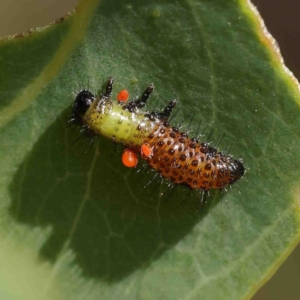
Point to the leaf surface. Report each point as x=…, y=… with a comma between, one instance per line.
x=76, y=224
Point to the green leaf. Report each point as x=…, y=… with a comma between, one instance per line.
x=76, y=224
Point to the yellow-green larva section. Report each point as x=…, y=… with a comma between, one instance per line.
x=111, y=120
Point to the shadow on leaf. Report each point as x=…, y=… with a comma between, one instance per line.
x=98, y=208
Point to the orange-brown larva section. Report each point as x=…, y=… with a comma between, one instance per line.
x=186, y=161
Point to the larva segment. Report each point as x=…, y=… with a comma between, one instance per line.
x=110, y=120
x=185, y=161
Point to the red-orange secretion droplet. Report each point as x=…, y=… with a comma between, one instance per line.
x=129, y=158
x=123, y=96
x=146, y=150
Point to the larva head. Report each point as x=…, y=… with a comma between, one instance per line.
x=81, y=104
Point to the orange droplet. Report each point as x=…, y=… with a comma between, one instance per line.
x=129, y=158
x=146, y=150
x=123, y=96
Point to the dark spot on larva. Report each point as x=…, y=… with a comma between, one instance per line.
x=213, y=150
x=180, y=149
x=191, y=154
x=155, y=149
x=173, y=135
x=214, y=162
x=162, y=131
x=166, y=124
x=195, y=183
x=140, y=127
x=184, y=134
x=189, y=180
x=126, y=130
x=202, y=158
x=207, y=167
x=181, y=140
x=162, y=165
x=205, y=182
x=182, y=157
x=151, y=136
x=174, y=173
x=210, y=183
x=206, y=175
x=195, y=163
x=167, y=170
x=193, y=145
x=171, y=151
x=192, y=172
x=152, y=117
x=166, y=158
x=175, y=129
x=169, y=142
x=204, y=147
x=120, y=121
x=160, y=143
x=173, y=179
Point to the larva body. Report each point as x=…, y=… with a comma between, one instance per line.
x=172, y=153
